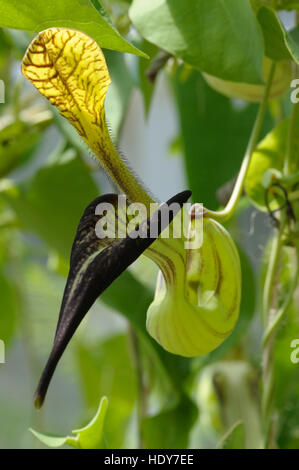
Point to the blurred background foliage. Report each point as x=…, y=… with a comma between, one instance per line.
x=177, y=132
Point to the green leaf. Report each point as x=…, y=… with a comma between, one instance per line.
x=279, y=45
x=112, y=352
x=146, y=87
x=170, y=429
x=106, y=367
x=274, y=34
x=37, y=15
x=49, y=440
x=292, y=42
x=269, y=153
x=211, y=36
x=53, y=200
x=4, y=50
x=254, y=93
x=234, y=438
x=17, y=142
x=89, y=437
x=8, y=307
x=236, y=385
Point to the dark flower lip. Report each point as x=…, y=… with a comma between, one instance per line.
x=93, y=267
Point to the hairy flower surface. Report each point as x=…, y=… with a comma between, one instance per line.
x=198, y=293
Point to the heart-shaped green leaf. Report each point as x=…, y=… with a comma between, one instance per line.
x=37, y=15
x=209, y=35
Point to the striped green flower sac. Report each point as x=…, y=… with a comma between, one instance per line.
x=198, y=309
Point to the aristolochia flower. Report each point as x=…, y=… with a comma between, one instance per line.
x=197, y=299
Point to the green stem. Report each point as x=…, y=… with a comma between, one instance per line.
x=271, y=272
x=284, y=308
x=141, y=392
x=121, y=174
x=157, y=64
x=268, y=312
x=290, y=163
x=227, y=212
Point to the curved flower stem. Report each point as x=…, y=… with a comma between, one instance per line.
x=121, y=174
x=227, y=212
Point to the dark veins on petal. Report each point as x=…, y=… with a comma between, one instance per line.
x=95, y=263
